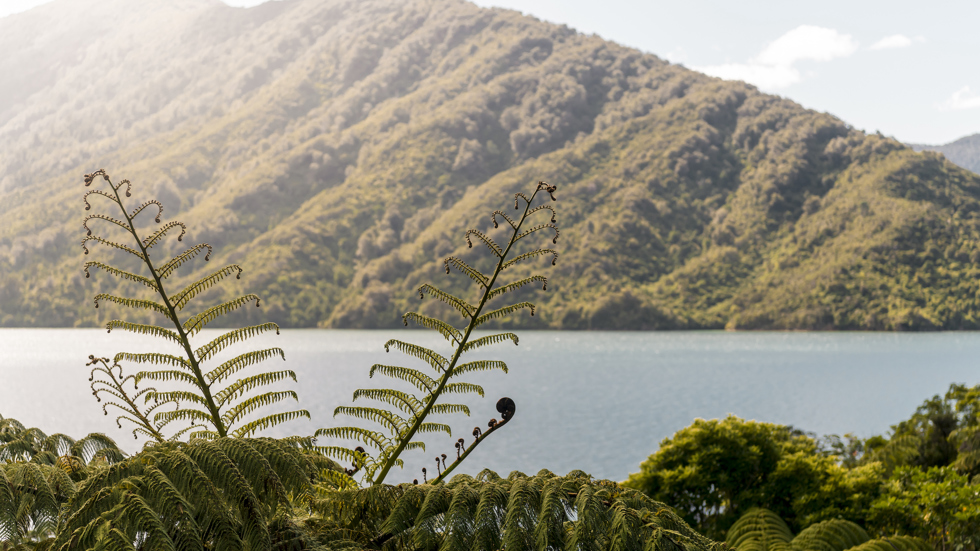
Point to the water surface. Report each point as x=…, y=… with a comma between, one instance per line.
x=596, y=401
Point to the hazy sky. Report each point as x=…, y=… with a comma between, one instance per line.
x=910, y=69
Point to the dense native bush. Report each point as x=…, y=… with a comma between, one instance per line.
x=756, y=484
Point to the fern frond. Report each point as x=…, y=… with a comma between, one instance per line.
x=153, y=358
x=192, y=415
x=109, y=219
x=401, y=400
x=496, y=213
x=494, y=248
x=463, y=388
x=144, y=206
x=143, y=329
x=242, y=361
x=448, y=332
x=88, y=205
x=466, y=269
x=389, y=420
x=489, y=340
x=434, y=427
x=531, y=254
x=176, y=396
x=418, y=379
x=241, y=386
x=133, y=303
x=255, y=402
x=544, y=207
x=198, y=322
x=368, y=437
x=436, y=360
x=167, y=375
x=153, y=239
x=444, y=408
x=112, y=244
x=518, y=284
x=220, y=343
x=460, y=305
x=500, y=312
x=538, y=228
x=480, y=365
x=164, y=271
x=120, y=273
x=268, y=421
x=187, y=293
x=830, y=535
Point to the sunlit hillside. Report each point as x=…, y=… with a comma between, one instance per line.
x=338, y=149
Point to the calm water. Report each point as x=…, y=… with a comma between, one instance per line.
x=598, y=401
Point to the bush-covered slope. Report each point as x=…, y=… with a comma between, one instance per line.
x=338, y=148
x=965, y=151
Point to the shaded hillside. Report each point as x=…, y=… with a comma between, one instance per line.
x=965, y=151
x=338, y=149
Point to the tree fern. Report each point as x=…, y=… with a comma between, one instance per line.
x=207, y=408
x=830, y=535
x=220, y=494
x=38, y=476
x=520, y=512
x=402, y=415
x=762, y=530
x=759, y=530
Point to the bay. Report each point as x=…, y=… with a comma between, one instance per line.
x=596, y=401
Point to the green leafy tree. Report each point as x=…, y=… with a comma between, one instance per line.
x=937, y=504
x=714, y=471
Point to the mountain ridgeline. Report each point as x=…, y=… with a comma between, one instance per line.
x=965, y=151
x=338, y=150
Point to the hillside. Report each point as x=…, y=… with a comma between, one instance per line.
x=338, y=149
x=965, y=151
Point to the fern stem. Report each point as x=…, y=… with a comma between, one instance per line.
x=184, y=340
x=434, y=396
x=476, y=442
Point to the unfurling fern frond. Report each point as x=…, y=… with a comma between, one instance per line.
x=219, y=408
x=414, y=410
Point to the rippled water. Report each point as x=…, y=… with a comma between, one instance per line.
x=596, y=401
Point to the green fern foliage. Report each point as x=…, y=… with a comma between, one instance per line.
x=209, y=406
x=203, y=494
x=38, y=476
x=403, y=415
x=830, y=535
x=487, y=512
x=895, y=543
x=762, y=530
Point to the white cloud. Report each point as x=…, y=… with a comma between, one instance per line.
x=677, y=55
x=891, y=42
x=961, y=99
x=774, y=67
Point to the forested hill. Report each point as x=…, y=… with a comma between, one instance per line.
x=338, y=149
x=964, y=151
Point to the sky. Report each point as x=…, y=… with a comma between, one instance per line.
x=909, y=69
